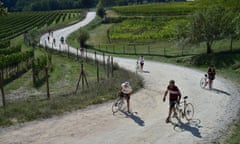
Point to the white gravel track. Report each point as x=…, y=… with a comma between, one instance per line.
x=214, y=110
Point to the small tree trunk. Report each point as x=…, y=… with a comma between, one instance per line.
x=209, y=47
x=231, y=44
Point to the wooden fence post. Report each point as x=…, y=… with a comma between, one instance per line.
x=2, y=88
x=47, y=80
x=68, y=50
x=77, y=54
x=97, y=71
x=103, y=60
x=82, y=77
x=108, y=66
x=95, y=57
x=112, y=66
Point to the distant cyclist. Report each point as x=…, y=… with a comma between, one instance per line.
x=211, y=75
x=141, y=60
x=62, y=40
x=174, y=98
x=125, y=91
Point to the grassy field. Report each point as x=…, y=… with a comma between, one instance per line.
x=27, y=103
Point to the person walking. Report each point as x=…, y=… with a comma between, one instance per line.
x=141, y=60
x=174, y=98
x=211, y=75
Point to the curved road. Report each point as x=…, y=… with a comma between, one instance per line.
x=214, y=111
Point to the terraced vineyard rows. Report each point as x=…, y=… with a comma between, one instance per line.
x=16, y=24
x=146, y=29
x=160, y=9
x=13, y=60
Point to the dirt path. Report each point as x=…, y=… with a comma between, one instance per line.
x=214, y=110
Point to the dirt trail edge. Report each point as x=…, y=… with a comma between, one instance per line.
x=214, y=111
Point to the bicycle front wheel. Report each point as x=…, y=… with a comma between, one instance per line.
x=115, y=106
x=203, y=83
x=189, y=111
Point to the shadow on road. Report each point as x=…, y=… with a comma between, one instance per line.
x=135, y=118
x=191, y=126
x=220, y=91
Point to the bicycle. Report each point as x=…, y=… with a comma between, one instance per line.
x=204, y=81
x=118, y=105
x=185, y=110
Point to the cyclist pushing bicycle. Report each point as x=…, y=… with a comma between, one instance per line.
x=126, y=91
x=174, y=98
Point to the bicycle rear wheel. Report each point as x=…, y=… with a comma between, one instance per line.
x=189, y=111
x=203, y=83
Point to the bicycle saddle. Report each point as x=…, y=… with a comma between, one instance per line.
x=185, y=97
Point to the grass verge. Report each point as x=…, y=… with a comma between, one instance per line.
x=62, y=79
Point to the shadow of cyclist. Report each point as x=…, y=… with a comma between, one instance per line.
x=220, y=91
x=190, y=127
x=135, y=118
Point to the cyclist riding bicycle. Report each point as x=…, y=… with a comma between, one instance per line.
x=125, y=91
x=174, y=98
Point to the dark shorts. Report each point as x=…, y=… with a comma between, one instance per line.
x=141, y=64
x=127, y=96
x=172, y=103
x=211, y=77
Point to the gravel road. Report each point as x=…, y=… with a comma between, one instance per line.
x=214, y=111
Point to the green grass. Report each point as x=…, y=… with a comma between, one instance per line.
x=33, y=103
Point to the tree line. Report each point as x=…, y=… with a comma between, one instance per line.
x=44, y=5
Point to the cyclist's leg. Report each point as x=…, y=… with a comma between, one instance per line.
x=210, y=83
x=171, y=106
x=128, y=102
x=141, y=66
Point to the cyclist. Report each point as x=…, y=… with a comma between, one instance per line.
x=174, y=98
x=62, y=40
x=141, y=60
x=211, y=75
x=125, y=91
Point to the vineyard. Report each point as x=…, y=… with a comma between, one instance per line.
x=140, y=29
x=17, y=59
x=160, y=9
x=15, y=24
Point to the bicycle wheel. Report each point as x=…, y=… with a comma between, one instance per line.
x=117, y=105
x=189, y=111
x=203, y=83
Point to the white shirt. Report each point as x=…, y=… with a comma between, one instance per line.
x=126, y=90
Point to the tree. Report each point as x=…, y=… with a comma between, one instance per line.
x=3, y=11
x=232, y=25
x=100, y=9
x=207, y=26
x=83, y=37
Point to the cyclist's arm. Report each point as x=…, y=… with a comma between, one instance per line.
x=165, y=94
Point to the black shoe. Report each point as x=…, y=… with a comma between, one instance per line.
x=168, y=120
